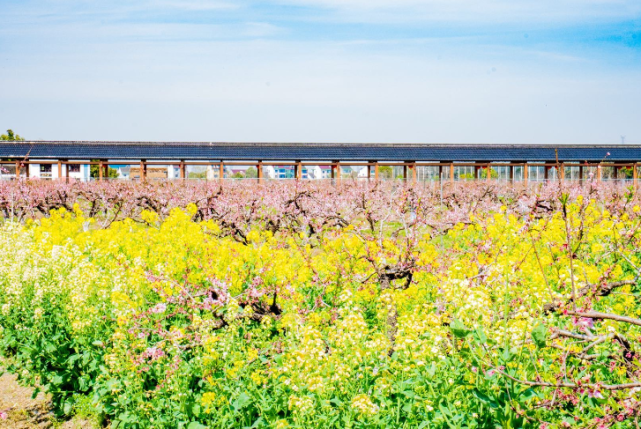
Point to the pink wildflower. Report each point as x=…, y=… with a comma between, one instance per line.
x=159, y=308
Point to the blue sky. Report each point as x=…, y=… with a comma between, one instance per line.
x=552, y=71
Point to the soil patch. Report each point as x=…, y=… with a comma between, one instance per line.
x=24, y=412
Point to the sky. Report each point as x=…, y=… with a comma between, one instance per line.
x=424, y=71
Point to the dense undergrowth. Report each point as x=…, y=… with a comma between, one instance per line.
x=303, y=306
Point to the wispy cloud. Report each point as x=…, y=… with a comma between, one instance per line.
x=340, y=70
x=201, y=5
x=477, y=11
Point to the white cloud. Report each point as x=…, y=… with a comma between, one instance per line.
x=86, y=70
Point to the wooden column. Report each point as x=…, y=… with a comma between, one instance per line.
x=59, y=170
x=599, y=172
x=562, y=172
x=376, y=171
x=27, y=168
x=143, y=170
x=17, y=170
x=405, y=172
x=452, y=172
x=299, y=170
x=413, y=171
x=221, y=172
x=440, y=172
x=183, y=168
x=488, y=172
x=511, y=172
x=67, y=173
x=546, y=172
x=477, y=169
x=105, y=173
x=259, y=168
x=101, y=171
x=336, y=172
x=369, y=172
x=526, y=172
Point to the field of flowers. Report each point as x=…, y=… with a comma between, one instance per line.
x=294, y=305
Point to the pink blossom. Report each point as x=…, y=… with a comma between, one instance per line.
x=154, y=353
x=595, y=394
x=585, y=322
x=4, y=415
x=159, y=308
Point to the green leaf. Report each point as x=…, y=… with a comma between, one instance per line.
x=480, y=335
x=336, y=402
x=527, y=394
x=539, y=335
x=242, y=400
x=57, y=380
x=68, y=407
x=483, y=397
x=459, y=329
x=196, y=410
x=196, y=425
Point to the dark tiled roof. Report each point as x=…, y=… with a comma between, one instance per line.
x=315, y=151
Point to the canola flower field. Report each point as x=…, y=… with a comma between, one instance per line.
x=296, y=305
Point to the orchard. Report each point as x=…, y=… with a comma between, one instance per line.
x=299, y=305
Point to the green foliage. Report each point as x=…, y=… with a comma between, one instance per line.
x=94, y=172
x=10, y=136
x=385, y=172
x=459, y=329
x=493, y=173
x=539, y=335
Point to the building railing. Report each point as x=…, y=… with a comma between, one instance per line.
x=335, y=171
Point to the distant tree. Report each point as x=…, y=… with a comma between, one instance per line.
x=626, y=173
x=251, y=173
x=10, y=136
x=385, y=172
x=112, y=173
x=238, y=175
x=197, y=175
x=493, y=173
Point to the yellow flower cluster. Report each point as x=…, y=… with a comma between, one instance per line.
x=334, y=315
